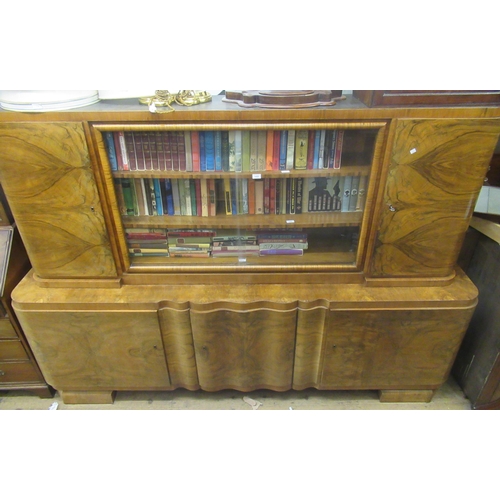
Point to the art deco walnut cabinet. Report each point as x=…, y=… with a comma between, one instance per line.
x=218, y=247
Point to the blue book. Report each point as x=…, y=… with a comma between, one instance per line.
x=169, y=197
x=203, y=163
x=210, y=150
x=316, y=149
x=158, y=196
x=283, y=148
x=110, y=148
x=234, y=201
x=218, y=150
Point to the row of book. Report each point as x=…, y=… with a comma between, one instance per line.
x=207, y=243
x=230, y=150
x=210, y=197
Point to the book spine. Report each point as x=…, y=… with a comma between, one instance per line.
x=212, y=200
x=346, y=193
x=301, y=148
x=254, y=145
x=169, y=197
x=238, y=166
x=317, y=136
x=338, y=149
x=160, y=150
x=181, y=148
x=189, y=151
x=209, y=151
x=195, y=150
x=176, y=196
x=353, y=199
x=276, y=150
x=159, y=198
x=218, y=151
x=110, y=148
x=232, y=150
x=123, y=150
x=118, y=150
x=204, y=197
x=146, y=150
x=283, y=149
x=225, y=150
x=269, y=149
x=321, y=150
x=290, y=149
x=203, y=155
x=310, y=149
x=167, y=146
x=333, y=146
x=281, y=251
x=261, y=150
x=245, y=150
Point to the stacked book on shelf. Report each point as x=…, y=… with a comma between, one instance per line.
x=147, y=242
x=208, y=243
x=282, y=243
x=236, y=245
x=229, y=196
x=190, y=242
x=224, y=150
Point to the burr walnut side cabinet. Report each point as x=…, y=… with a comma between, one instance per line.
x=219, y=247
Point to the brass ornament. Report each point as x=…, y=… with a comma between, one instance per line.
x=162, y=101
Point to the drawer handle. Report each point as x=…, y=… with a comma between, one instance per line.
x=2, y=373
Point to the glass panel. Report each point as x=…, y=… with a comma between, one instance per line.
x=265, y=199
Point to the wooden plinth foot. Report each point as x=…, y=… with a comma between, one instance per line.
x=44, y=393
x=87, y=397
x=417, y=396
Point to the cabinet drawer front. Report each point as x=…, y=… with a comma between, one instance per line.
x=7, y=330
x=12, y=350
x=18, y=372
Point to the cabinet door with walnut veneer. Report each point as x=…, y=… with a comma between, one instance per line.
x=98, y=352
x=244, y=346
x=436, y=172
x=47, y=176
x=391, y=349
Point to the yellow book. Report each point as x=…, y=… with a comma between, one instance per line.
x=301, y=143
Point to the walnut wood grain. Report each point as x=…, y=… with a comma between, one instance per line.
x=175, y=323
x=244, y=347
x=436, y=172
x=48, y=179
x=98, y=350
x=387, y=349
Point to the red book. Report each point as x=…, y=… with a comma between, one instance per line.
x=195, y=150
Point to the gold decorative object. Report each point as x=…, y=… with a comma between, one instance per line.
x=162, y=101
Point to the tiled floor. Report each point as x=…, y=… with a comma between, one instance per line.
x=448, y=397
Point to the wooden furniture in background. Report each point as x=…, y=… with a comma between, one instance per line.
x=403, y=98
x=18, y=368
x=477, y=367
x=376, y=301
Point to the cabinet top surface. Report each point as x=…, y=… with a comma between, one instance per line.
x=351, y=108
